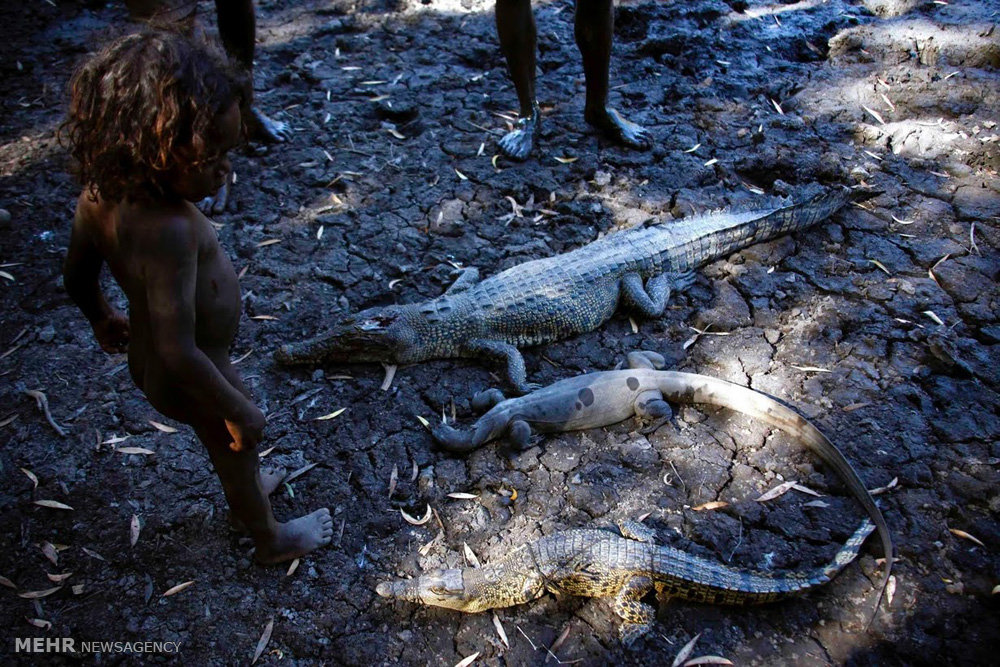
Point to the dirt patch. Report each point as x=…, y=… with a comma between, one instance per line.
x=897, y=304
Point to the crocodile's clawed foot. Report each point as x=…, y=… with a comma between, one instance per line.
x=519, y=434
x=618, y=129
x=655, y=425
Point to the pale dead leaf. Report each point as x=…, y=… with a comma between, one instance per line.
x=811, y=369
x=931, y=314
x=881, y=266
x=502, y=632
x=135, y=450
x=470, y=555
x=777, y=107
x=463, y=496
x=566, y=160
x=707, y=660
x=416, y=522
x=816, y=503
x=53, y=504
x=464, y=178
x=31, y=476
x=298, y=473
x=966, y=536
x=58, y=578
x=49, y=551
x=4, y=274
x=114, y=440
x=390, y=373
x=901, y=221
x=174, y=590
x=162, y=427
x=888, y=487
x=874, y=114
x=329, y=416
x=693, y=148
x=262, y=642
x=393, y=480
x=39, y=623
x=423, y=421
x=712, y=505
x=779, y=490
x=35, y=595
x=890, y=590
x=560, y=639
x=93, y=554
x=134, y=529
x=685, y=652
x=264, y=244
x=709, y=163
x=4, y=581
x=264, y=317
x=465, y=662
x=294, y=566
x=806, y=489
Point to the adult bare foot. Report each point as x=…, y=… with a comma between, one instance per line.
x=619, y=130
x=297, y=538
x=262, y=128
x=517, y=143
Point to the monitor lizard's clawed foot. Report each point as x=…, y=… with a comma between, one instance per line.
x=296, y=538
x=486, y=399
x=518, y=143
x=262, y=128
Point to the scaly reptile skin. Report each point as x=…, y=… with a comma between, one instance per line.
x=557, y=297
x=599, y=563
x=607, y=397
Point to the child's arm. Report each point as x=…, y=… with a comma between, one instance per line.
x=81, y=277
x=170, y=270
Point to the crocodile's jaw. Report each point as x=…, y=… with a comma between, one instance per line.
x=377, y=334
x=468, y=590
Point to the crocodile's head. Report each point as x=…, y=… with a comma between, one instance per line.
x=469, y=590
x=388, y=334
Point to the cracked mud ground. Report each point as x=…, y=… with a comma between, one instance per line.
x=880, y=325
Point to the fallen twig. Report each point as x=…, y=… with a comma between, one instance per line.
x=43, y=403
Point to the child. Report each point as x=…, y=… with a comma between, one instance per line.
x=150, y=122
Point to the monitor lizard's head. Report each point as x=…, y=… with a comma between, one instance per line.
x=386, y=334
x=470, y=590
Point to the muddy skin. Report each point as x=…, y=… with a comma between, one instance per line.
x=594, y=29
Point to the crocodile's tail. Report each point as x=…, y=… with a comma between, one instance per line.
x=716, y=235
x=718, y=584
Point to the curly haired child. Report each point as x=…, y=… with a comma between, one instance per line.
x=151, y=120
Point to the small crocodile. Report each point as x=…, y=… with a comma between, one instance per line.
x=600, y=563
x=553, y=298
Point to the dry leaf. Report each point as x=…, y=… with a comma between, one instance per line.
x=49, y=551
x=134, y=530
x=417, y=522
x=396, y=133
x=53, y=504
x=465, y=662
x=390, y=373
x=39, y=623
x=4, y=581
x=177, y=589
x=93, y=554
x=470, y=555
x=685, y=651
x=965, y=536
x=393, y=480
x=329, y=416
x=34, y=595
x=713, y=505
x=806, y=489
x=114, y=440
x=4, y=274
x=874, y=114
x=890, y=590
x=262, y=642
x=812, y=369
x=461, y=175
x=566, y=160
x=162, y=427
x=31, y=476
x=494, y=161
x=882, y=489
x=264, y=244
x=711, y=162
x=707, y=660
x=135, y=450
x=423, y=421
x=777, y=107
x=779, y=490
x=291, y=568
x=560, y=639
x=463, y=496
x=266, y=317
x=693, y=148
x=931, y=314
x=58, y=578
x=503, y=633
x=880, y=265
x=901, y=221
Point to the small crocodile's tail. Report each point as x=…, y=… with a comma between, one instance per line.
x=714, y=583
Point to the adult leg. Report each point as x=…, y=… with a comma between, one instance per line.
x=517, y=33
x=250, y=506
x=594, y=28
x=238, y=30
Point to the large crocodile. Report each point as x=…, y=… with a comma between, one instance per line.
x=556, y=297
x=600, y=563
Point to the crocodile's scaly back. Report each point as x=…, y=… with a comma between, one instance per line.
x=553, y=298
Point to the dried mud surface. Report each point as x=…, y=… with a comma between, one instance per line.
x=374, y=203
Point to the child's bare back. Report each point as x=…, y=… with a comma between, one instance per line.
x=184, y=297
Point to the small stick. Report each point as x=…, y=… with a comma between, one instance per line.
x=43, y=402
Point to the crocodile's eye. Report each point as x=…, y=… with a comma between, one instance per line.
x=439, y=590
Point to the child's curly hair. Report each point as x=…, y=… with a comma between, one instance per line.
x=138, y=100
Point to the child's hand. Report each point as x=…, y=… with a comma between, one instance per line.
x=112, y=333
x=246, y=432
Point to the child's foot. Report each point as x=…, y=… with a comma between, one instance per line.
x=262, y=128
x=297, y=538
x=619, y=130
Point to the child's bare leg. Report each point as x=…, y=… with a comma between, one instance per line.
x=248, y=501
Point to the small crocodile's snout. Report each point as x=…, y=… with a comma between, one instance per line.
x=385, y=589
x=400, y=589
